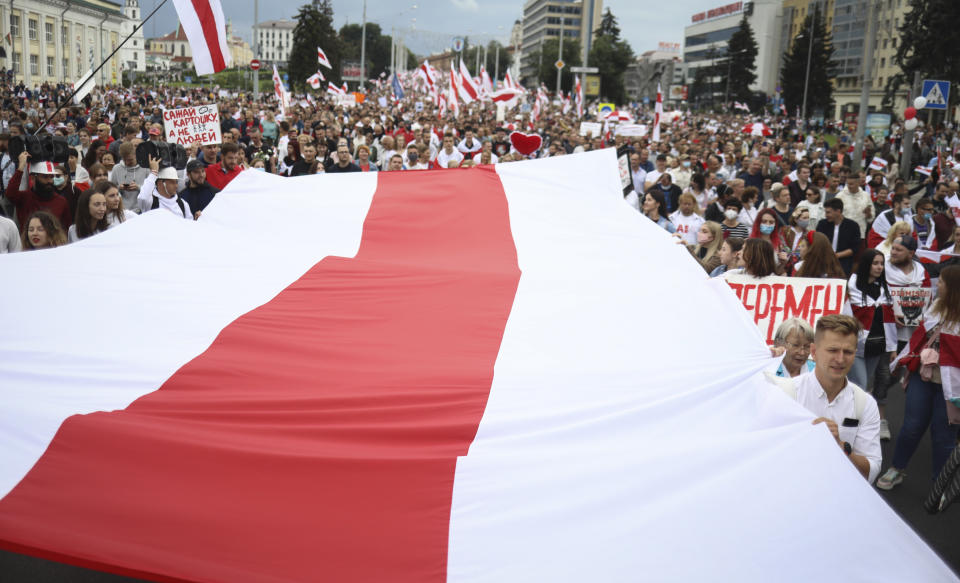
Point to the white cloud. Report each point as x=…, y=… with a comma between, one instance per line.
x=466, y=5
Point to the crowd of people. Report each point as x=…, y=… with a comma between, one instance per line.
x=790, y=204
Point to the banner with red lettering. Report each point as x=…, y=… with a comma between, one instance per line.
x=771, y=300
x=199, y=124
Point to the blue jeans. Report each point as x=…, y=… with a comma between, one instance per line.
x=872, y=375
x=924, y=407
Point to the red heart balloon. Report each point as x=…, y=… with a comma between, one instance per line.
x=526, y=143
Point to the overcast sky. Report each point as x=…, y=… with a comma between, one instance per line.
x=643, y=23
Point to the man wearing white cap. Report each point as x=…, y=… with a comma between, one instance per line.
x=159, y=191
x=41, y=197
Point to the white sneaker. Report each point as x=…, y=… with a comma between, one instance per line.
x=890, y=478
x=884, y=429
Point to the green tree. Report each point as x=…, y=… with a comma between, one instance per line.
x=378, y=47
x=927, y=44
x=548, y=70
x=612, y=55
x=741, y=63
x=314, y=29
x=794, y=70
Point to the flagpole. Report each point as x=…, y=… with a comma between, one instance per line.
x=363, y=47
x=97, y=70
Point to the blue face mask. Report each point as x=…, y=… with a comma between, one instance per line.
x=927, y=216
x=767, y=229
x=260, y=168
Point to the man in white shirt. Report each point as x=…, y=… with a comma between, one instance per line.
x=848, y=412
x=487, y=148
x=159, y=191
x=638, y=173
x=469, y=145
x=857, y=205
x=902, y=270
x=654, y=175
x=448, y=154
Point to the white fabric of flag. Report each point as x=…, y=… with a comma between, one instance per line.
x=205, y=27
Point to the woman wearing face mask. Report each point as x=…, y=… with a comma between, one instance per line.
x=813, y=204
x=729, y=256
x=91, y=216
x=65, y=188
x=870, y=303
x=116, y=214
x=767, y=227
x=655, y=208
x=43, y=231
x=707, y=249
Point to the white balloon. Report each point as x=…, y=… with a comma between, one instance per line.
x=910, y=124
x=920, y=102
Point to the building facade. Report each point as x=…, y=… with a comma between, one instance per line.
x=661, y=67
x=274, y=38
x=58, y=41
x=172, y=51
x=706, y=38
x=133, y=54
x=545, y=19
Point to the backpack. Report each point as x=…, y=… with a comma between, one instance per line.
x=156, y=205
x=789, y=387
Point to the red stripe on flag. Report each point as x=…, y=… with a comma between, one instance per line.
x=949, y=350
x=317, y=437
x=210, y=33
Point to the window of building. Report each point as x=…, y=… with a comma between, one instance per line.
x=182, y=51
x=64, y=35
x=16, y=63
x=135, y=56
x=48, y=32
x=32, y=29
x=134, y=42
x=66, y=67
x=14, y=25
x=50, y=72
x=34, y=65
x=893, y=43
x=133, y=13
x=883, y=62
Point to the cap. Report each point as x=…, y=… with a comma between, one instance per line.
x=154, y=131
x=908, y=242
x=168, y=173
x=43, y=168
x=194, y=165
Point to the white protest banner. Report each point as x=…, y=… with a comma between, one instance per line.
x=909, y=303
x=591, y=127
x=954, y=205
x=199, y=124
x=84, y=86
x=418, y=106
x=382, y=101
x=631, y=129
x=771, y=300
x=348, y=100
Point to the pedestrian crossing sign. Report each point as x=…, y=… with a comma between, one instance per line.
x=937, y=93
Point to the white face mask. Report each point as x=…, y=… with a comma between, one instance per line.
x=730, y=214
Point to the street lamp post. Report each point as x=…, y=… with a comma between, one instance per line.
x=363, y=47
x=560, y=52
x=806, y=80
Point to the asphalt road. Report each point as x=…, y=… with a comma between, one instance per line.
x=941, y=532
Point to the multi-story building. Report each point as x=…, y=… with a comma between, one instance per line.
x=846, y=22
x=661, y=67
x=57, y=41
x=274, y=38
x=545, y=19
x=172, y=51
x=133, y=52
x=706, y=38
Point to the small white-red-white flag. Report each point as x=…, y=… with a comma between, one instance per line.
x=508, y=81
x=322, y=58
x=453, y=101
x=333, y=89
x=281, y=92
x=578, y=96
x=315, y=80
x=657, y=114
x=878, y=163
x=469, y=91
x=206, y=30
x=486, y=83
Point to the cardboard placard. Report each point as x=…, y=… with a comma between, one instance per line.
x=591, y=127
x=773, y=299
x=199, y=124
x=909, y=303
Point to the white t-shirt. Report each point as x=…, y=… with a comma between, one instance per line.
x=493, y=158
x=444, y=159
x=687, y=226
x=9, y=236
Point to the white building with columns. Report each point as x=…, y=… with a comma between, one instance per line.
x=57, y=41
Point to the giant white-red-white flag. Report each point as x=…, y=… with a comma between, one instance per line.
x=429, y=381
x=657, y=115
x=206, y=30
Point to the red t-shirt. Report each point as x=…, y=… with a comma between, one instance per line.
x=220, y=178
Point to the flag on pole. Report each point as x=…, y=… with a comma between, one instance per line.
x=507, y=96
x=486, y=83
x=283, y=97
x=86, y=85
x=453, y=101
x=397, y=89
x=441, y=105
x=426, y=72
x=657, y=114
x=508, y=80
x=334, y=90
x=469, y=91
x=322, y=58
x=205, y=27
x=578, y=97
x=393, y=394
x=315, y=80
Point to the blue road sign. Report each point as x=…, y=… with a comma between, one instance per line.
x=937, y=93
